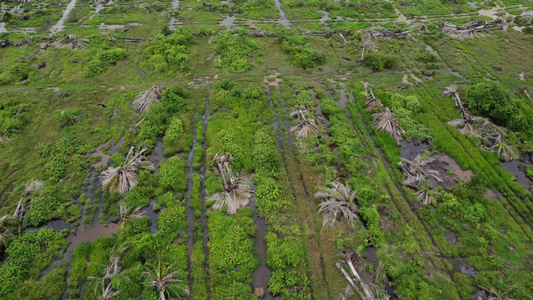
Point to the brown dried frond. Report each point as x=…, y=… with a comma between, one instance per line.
x=386, y=121
x=338, y=200
x=142, y=102
x=416, y=171
x=124, y=178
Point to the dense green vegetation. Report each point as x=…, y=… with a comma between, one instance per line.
x=147, y=152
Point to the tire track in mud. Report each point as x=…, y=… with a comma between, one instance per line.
x=302, y=196
x=279, y=141
x=203, y=193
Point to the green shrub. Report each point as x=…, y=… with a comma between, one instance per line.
x=15, y=72
x=175, y=136
x=101, y=53
x=491, y=100
x=237, y=51
x=11, y=116
x=300, y=52
x=172, y=219
x=378, y=61
x=173, y=174
x=29, y=254
x=167, y=54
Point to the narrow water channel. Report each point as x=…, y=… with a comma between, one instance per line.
x=262, y=274
x=203, y=195
x=60, y=25
x=191, y=220
x=282, y=18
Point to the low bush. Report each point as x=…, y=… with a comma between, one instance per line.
x=300, y=52
x=168, y=53
x=378, y=61
x=237, y=51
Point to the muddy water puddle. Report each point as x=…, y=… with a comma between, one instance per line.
x=104, y=157
x=114, y=147
x=464, y=175
x=157, y=156
x=514, y=167
x=407, y=150
x=152, y=214
x=228, y=22
x=325, y=17
x=262, y=274
x=92, y=233
x=451, y=236
x=371, y=257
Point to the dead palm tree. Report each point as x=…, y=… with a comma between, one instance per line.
x=367, y=293
x=337, y=200
x=4, y=139
x=372, y=103
x=147, y=97
x=367, y=43
x=305, y=128
x=235, y=197
x=453, y=91
x=424, y=193
x=25, y=42
x=366, y=85
x=236, y=192
x=124, y=178
x=468, y=125
x=416, y=171
x=7, y=222
x=504, y=151
x=30, y=188
x=386, y=121
x=163, y=279
x=114, y=268
x=73, y=43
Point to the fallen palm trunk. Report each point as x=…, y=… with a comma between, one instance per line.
x=350, y=280
x=366, y=289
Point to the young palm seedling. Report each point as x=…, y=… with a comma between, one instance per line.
x=124, y=178
x=494, y=142
x=124, y=214
x=424, y=193
x=338, y=200
x=163, y=279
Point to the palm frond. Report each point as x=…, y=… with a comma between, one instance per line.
x=124, y=178
x=338, y=200
x=387, y=122
x=416, y=171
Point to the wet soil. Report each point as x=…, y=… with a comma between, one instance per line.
x=411, y=149
x=514, y=167
x=157, y=156
x=451, y=236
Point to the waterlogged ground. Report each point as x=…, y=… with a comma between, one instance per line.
x=252, y=108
